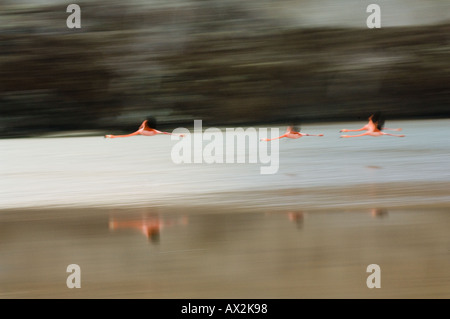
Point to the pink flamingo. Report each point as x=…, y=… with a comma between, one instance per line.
x=373, y=128
x=291, y=132
x=145, y=130
x=371, y=125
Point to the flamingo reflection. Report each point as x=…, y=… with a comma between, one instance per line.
x=296, y=217
x=378, y=212
x=148, y=225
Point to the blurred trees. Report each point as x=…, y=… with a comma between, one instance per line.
x=224, y=64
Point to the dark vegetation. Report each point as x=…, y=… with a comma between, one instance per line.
x=123, y=66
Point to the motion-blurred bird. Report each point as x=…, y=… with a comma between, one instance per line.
x=147, y=128
x=292, y=131
x=376, y=117
x=374, y=127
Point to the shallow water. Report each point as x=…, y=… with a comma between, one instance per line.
x=139, y=171
x=140, y=226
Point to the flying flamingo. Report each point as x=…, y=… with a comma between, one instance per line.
x=145, y=129
x=374, y=128
x=371, y=125
x=291, y=132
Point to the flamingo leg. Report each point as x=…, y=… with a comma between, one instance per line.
x=398, y=135
x=167, y=133
x=360, y=129
x=345, y=136
x=126, y=135
x=275, y=138
x=392, y=129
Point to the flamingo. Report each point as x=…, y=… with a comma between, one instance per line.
x=291, y=132
x=145, y=130
x=374, y=128
x=371, y=125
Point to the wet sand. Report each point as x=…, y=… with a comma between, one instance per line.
x=225, y=252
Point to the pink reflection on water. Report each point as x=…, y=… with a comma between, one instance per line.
x=150, y=225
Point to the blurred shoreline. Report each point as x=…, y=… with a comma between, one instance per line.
x=392, y=196
x=11, y=214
